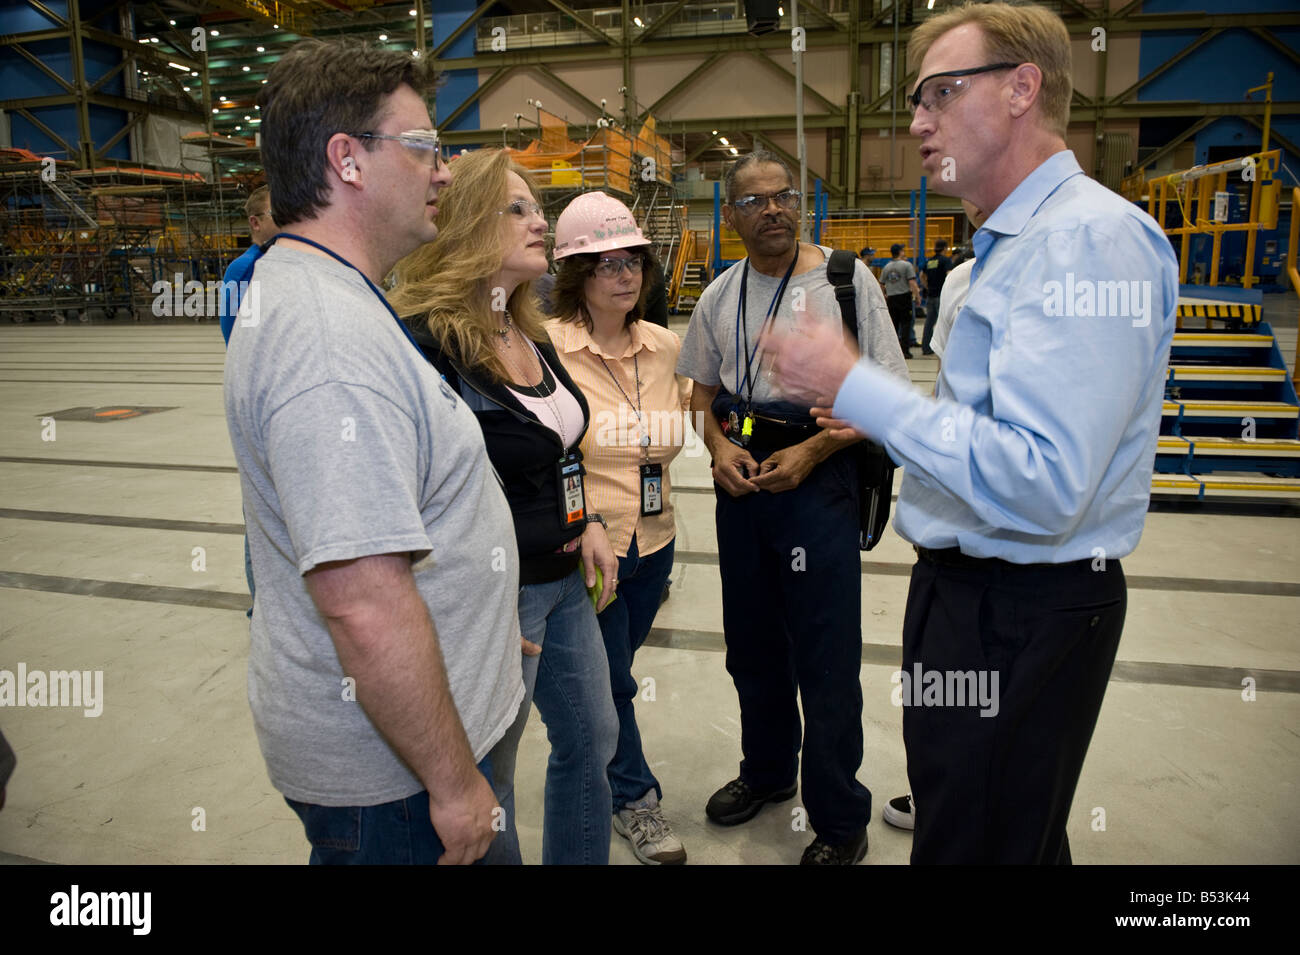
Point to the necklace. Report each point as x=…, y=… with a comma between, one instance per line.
x=537, y=392
x=504, y=331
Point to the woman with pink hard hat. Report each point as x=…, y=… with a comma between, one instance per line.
x=625, y=367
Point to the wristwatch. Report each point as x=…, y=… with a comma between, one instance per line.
x=594, y=518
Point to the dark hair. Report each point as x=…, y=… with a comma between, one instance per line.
x=757, y=157
x=894, y=249
x=569, y=295
x=940, y=245
x=317, y=89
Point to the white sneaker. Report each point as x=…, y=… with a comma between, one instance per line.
x=642, y=823
x=900, y=812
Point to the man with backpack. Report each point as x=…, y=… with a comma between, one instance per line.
x=787, y=519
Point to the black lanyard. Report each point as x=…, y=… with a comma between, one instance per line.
x=332, y=254
x=636, y=371
x=742, y=317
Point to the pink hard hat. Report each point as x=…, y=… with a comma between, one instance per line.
x=595, y=222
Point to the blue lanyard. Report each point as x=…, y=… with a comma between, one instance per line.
x=334, y=255
x=742, y=317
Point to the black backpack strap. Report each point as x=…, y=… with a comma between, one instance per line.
x=839, y=272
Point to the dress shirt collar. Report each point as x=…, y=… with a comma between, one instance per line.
x=575, y=337
x=1018, y=208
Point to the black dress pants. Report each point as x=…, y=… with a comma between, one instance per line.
x=997, y=788
x=792, y=618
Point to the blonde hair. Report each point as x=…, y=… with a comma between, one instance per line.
x=445, y=281
x=1013, y=33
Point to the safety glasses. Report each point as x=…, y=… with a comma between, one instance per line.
x=937, y=91
x=421, y=143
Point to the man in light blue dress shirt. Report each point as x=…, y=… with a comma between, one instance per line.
x=1028, y=475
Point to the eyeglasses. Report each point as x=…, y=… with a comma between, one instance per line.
x=420, y=143
x=611, y=268
x=935, y=92
x=523, y=207
x=787, y=199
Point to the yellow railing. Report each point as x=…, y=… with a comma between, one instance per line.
x=881, y=233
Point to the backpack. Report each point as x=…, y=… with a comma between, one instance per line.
x=875, y=467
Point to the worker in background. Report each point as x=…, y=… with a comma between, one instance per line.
x=936, y=270
x=261, y=225
x=377, y=688
x=787, y=520
x=1027, y=478
x=898, y=276
x=900, y=812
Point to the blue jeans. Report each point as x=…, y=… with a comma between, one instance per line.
x=625, y=623
x=569, y=682
x=931, y=317
x=392, y=833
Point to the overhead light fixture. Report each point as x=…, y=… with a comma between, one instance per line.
x=153, y=39
x=194, y=73
x=185, y=88
x=214, y=110
x=222, y=98
x=714, y=133
x=246, y=69
x=263, y=82
x=144, y=39
x=412, y=13
x=248, y=117
x=275, y=26
x=780, y=11
x=637, y=21
x=177, y=66
x=215, y=32
x=930, y=5
x=723, y=140
x=734, y=151
x=261, y=49
x=172, y=22
x=383, y=38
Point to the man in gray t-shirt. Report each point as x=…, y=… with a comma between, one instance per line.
x=898, y=276
x=377, y=687
x=787, y=520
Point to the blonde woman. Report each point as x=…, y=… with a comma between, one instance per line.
x=467, y=299
x=626, y=366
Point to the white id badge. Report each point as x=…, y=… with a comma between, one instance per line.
x=652, y=489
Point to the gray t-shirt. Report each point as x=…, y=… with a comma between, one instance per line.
x=895, y=275
x=349, y=444
x=710, y=354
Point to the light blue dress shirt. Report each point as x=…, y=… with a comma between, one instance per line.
x=1039, y=444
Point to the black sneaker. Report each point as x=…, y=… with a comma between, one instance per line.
x=735, y=802
x=823, y=853
x=900, y=813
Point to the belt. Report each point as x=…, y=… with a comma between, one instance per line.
x=953, y=557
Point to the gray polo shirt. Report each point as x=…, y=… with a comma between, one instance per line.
x=349, y=444
x=895, y=276
x=710, y=354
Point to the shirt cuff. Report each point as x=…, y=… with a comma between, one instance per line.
x=871, y=398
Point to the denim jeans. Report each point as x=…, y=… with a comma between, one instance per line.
x=392, y=833
x=931, y=317
x=625, y=623
x=569, y=682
